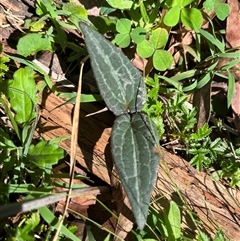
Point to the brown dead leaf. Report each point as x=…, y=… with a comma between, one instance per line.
x=139, y=62
x=236, y=105
x=53, y=62
x=187, y=38
x=232, y=28
x=78, y=203
x=93, y=6
x=12, y=5
x=202, y=100
x=233, y=41
x=149, y=66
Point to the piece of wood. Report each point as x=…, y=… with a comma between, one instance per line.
x=94, y=131
x=216, y=205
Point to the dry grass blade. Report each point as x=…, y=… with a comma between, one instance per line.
x=74, y=141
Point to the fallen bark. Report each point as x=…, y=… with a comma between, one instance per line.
x=216, y=205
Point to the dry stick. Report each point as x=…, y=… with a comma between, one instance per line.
x=26, y=206
x=74, y=141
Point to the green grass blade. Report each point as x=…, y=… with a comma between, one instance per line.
x=186, y=75
x=231, y=86
x=50, y=218
x=212, y=39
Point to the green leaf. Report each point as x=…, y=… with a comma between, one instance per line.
x=75, y=12
x=190, y=87
x=75, y=9
x=104, y=24
x=172, y=219
x=230, y=55
x=106, y=9
x=5, y=141
x=44, y=153
x=159, y=37
x=171, y=82
x=37, y=68
x=90, y=234
x=61, y=35
x=235, y=181
x=172, y=16
x=47, y=7
x=202, y=236
x=222, y=10
x=120, y=4
x=230, y=64
x=203, y=80
x=202, y=132
x=22, y=93
x=3, y=67
x=145, y=49
x=123, y=25
x=120, y=83
x=32, y=43
x=212, y=39
x=231, y=87
x=209, y=5
x=49, y=217
x=170, y=3
x=198, y=160
x=31, y=223
x=122, y=40
x=143, y=12
x=138, y=34
x=134, y=136
x=7, y=109
x=193, y=52
x=185, y=75
x=71, y=98
x=90, y=98
x=184, y=3
x=180, y=3
x=34, y=26
x=108, y=238
x=219, y=236
x=16, y=188
x=162, y=60
x=153, y=15
x=192, y=18
x=218, y=147
x=133, y=142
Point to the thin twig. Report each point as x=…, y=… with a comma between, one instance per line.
x=26, y=206
x=74, y=143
